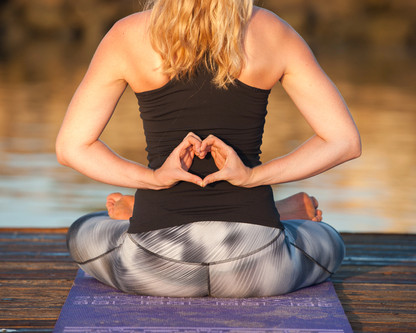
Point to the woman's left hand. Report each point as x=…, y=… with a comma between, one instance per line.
x=176, y=166
x=231, y=168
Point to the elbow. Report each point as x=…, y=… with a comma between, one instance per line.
x=61, y=156
x=356, y=147
x=352, y=147
x=62, y=152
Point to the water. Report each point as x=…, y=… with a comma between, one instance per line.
x=375, y=193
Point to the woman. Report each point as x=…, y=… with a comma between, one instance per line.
x=204, y=220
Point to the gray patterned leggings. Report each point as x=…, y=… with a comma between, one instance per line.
x=219, y=259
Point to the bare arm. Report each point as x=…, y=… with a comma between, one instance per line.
x=78, y=145
x=336, y=138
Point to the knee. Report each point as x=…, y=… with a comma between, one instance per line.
x=72, y=242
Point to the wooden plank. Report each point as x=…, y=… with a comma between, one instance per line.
x=37, y=271
x=28, y=325
x=381, y=274
x=14, y=284
x=37, y=231
x=382, y=327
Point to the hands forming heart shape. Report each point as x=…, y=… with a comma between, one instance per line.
x=175, y=169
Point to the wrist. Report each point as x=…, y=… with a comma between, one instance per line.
x=148, y=179
x=155, y=182
x=249, y=181
x=253, y=179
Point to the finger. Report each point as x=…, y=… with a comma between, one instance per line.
x=211, y=141
x=194, y=136
x=186, y=146
x=191, y=140
x=212, y=178
x=186, y=163
x=191, y=178
x=219, y=155
x=219, y=150
x=186, y=151
x=206, y=145
x=203, y=151
x=195, y=139
x=219, y=159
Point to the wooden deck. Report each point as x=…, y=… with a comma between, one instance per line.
x=376, y=284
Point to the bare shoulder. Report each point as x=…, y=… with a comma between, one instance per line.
x=129, y=27
x=129, y=47
x=270, y=24
x=278, y=41
x=267, y=40
x=125, y=44
x=266, y=16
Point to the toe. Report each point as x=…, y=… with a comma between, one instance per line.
x=314, y=202
x=114, y=196
x=318, y=217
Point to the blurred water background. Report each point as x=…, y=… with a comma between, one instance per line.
x=367, y=47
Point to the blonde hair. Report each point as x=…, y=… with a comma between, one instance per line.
x=188, y=33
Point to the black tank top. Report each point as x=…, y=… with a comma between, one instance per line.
x=235, y=115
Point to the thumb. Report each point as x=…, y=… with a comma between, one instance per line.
x=191, y=178
x=212, y=178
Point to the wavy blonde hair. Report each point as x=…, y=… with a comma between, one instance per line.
x=188, y=33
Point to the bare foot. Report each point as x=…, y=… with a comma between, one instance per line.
x=119, y=206
x=299, y=206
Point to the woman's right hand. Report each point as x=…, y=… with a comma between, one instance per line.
x=230, y=167
x=176, y=166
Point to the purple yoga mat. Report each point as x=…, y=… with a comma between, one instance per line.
x=93, y=307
